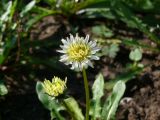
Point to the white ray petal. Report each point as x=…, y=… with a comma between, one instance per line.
x=94, y=50
x=63, y=58
x=61, y=51
x=92, y=44
x=90, y=63
x=64, y=46
x=71, y=38
x=72, y=67
x=87, y=39
x=94, y=57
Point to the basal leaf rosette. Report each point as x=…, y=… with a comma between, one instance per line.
x=78, y=52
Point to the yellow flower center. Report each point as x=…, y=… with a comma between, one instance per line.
x=78, y=52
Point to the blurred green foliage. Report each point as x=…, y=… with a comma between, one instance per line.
x=123, y=10
x=102, y=31
x=13, y=14
x=135, y=55
x=3, y=88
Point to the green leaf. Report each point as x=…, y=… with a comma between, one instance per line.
x=27, y=8
x=49, y=102
x=98, y=86
x=8, y=14
x=102, y=31
x=97, y=90
x=44, y=98
x=43, y=13
x=73, y=108
x=125, y=14
x=5, y=16
x=3, y=88
x=13, y=10
x=147, y=4
x=97, y=13
x=111, y=103
x=97, y=30
x=137, y=43
x=9, y=44
x=130, y=74
x=2, y=58
x=50, y=2
x=114, y=48
x=111, y=50
x=135, y=55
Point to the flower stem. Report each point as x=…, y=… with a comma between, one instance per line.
x=87, y=94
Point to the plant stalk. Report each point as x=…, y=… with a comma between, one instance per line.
x=87, y=94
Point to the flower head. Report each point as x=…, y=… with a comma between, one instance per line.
x=78, y=52
x=54, y=88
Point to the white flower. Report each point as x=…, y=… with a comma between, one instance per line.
x=78, y=52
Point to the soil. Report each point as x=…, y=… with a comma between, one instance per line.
x=23, y=107
x=142, y=99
